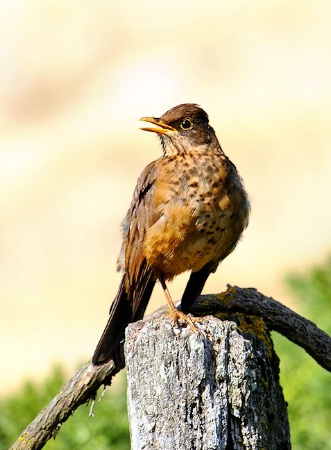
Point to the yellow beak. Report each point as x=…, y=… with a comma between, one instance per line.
x=162, y=128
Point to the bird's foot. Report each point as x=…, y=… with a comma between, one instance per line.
x=177, y=314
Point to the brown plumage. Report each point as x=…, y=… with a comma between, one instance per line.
x=188, y=211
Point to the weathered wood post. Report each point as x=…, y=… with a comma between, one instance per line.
x=213, y=390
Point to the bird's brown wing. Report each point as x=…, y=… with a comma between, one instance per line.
x=140, y=216
x=138, y=280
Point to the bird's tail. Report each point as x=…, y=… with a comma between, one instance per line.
x=122, y=312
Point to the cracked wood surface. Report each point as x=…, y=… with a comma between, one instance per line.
x=213, y=390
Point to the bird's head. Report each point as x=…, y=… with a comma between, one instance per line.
x=182, y=128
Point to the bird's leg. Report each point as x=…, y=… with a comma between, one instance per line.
x=175, y=312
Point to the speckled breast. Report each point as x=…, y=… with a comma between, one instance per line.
x=201, y=213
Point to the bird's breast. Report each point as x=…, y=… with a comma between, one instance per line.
x=201, y=209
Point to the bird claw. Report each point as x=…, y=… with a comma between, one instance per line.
x=177, y=314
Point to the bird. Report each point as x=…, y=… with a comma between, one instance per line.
x=187, y=213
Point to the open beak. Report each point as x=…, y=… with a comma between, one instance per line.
x=162, y=128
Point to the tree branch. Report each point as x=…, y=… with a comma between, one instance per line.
x=231, y=305
x=77, y=391
x=278, y=317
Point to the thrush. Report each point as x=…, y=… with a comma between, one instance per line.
x=188, y=211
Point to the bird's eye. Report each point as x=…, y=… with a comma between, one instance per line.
x=186, y=124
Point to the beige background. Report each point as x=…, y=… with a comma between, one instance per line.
x=75, y=78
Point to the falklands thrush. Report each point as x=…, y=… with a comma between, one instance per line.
x=187, y=212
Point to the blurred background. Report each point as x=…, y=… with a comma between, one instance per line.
x=75, y=78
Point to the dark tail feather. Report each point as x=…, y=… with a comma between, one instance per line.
x=120, y=315
x=195, y=285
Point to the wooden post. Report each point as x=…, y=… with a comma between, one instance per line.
x=218, y=389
